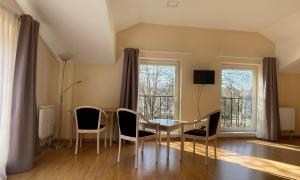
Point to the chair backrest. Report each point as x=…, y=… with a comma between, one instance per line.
x=127, y=120
x=214, y=119
x=87, y=117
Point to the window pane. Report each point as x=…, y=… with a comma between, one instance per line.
x=157, y=91
x=238, y=99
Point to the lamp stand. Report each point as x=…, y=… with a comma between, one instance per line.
x=59, y=144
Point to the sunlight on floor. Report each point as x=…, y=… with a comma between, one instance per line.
x=277, y=145
x=252, y=162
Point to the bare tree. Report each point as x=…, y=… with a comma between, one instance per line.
x=236, y=97
x=156, y=91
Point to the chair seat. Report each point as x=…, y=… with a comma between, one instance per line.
x=145, y=133
x=196, y=132
x=141, y=134
x=101, y=126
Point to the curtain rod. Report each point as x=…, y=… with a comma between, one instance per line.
x=164, y=52
x=239, y=57
x=10, y=8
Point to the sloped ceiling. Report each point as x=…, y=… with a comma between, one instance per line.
x=244, y=15
x=78, y=29
x=285, y=34
x=278, y=20
x=85, y=29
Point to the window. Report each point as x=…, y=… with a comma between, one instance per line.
x=238, y=103
x=158, y=89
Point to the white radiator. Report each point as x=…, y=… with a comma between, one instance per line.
x=287, y=118
x=46, y=121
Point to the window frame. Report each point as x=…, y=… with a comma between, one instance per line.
x=163, y=62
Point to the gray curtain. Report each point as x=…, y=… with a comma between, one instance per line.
x=24, y=143
x=271, y=98
x=129, y=88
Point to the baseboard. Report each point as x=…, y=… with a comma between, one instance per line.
x=174, y=137
x=46, y=141
x=238, y=134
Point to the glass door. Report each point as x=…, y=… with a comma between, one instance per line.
x=238, y=102
x=158, y=90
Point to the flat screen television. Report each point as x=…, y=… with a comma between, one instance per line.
x=204, y=77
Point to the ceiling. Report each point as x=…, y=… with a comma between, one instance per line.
x=245, y=15
x=278, y=20
x=86, y=29
x=81, y=30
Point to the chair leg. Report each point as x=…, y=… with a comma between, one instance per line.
x=119, y=153
x=136, y=154
x=80, y=137
x=76, y=147
x=215, y=147
x=105, y=138
x=98, y=139
x=168, y=144
x=143, y=128
x=194, y=146
x=156, y=143
x=206, y=151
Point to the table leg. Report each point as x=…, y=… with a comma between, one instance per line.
x=143, y=128
x=159, y=138
x=111, y=128
x=168, y=144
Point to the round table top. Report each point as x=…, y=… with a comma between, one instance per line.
x=167, y=122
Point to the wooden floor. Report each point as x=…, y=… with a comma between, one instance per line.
x=237, y=159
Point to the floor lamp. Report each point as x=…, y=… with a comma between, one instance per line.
x=65, y=59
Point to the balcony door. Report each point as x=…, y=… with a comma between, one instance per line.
x=158, y=89
x=238, y=103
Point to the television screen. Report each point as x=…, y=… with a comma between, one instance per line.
x=204, y=77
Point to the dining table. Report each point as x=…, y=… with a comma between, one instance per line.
x=167, y=125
